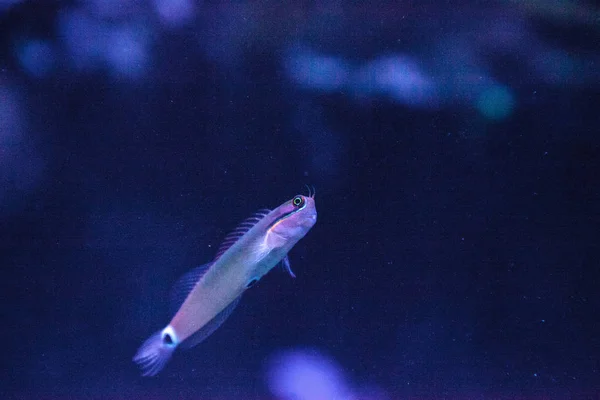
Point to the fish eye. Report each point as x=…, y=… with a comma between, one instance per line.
x=298, y=201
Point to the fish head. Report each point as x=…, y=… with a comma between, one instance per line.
x=295, y=217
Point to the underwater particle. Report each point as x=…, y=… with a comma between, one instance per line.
x=496, y=102
x=36, y=57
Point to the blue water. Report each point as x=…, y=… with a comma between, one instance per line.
x=454, y=152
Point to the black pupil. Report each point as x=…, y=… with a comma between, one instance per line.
x=168, y=339
x=297, y=201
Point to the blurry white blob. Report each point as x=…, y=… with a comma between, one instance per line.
x=94, y=44
x=306, y=375
x=20, y=163
x=397, y=77
x=36, y=57
x=175, y=12
x=311, y=70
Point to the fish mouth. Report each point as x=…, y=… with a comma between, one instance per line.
x=310, y=220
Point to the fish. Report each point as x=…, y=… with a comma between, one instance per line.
x=203, y=298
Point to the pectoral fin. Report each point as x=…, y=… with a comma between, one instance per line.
x=285, y=263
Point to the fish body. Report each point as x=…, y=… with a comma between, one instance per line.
x=209, y=293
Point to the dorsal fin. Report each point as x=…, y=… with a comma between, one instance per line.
x=241, y=229
x=184, y=285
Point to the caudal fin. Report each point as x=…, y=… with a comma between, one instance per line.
x=155, y=352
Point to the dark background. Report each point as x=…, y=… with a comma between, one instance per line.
x=456, y=250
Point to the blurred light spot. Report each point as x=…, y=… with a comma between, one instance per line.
x=36, y=57
x=399, y=78
x=84, y=38
x=496, y=102
x=94, y=44
x=315, y=71
x=127, y=52
x=306, y=375
x=175, y=12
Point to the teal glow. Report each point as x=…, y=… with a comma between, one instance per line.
x=496, y=102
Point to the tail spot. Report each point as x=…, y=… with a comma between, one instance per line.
x=167, y=339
